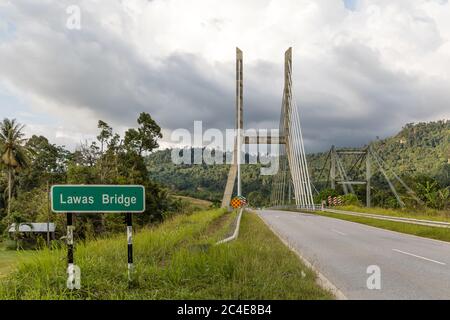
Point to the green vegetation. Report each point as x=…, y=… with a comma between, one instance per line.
x=10, y=258
x=13, y=152
x=31, y=166
x=419, y=154
x=420, y=148
x=174, y=249
x=425, y=214
x=175, y=260
x=205, y=181
x=189, y=204
x=417, y=230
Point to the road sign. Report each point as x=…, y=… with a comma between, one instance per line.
x=98, y=198
x=238, y=202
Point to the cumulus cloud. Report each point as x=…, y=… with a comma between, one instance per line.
x=361, y=68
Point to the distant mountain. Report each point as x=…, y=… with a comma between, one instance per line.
x=421, y=149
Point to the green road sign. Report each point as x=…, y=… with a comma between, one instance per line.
x=98, y=198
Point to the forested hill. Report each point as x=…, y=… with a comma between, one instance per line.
x=418, y=150
x=421, y=149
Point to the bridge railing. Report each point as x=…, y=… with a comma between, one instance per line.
x=314, y=207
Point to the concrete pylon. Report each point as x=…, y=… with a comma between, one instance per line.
x=295, y=169
x=293, y=157
x=239, y=124
x=368, y=178
x=333, y=168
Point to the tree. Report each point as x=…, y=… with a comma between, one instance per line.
x=256, y=199
x=145, y=138
x=47, y=162
x=86, y=154
x=350, y=199
x=31, y=165
x=324, y=194
x=433, y=195
x=13, y=151
x=106, y=132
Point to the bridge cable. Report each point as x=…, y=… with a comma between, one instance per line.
x=297, y=126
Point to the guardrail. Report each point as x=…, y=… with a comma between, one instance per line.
x=236, y=230
x=430, y=223
x=314, y=207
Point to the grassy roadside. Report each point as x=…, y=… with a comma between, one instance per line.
x=192, y=204
x=424, y=214
x=9, y=259
x=176, y=260
x=417, y=230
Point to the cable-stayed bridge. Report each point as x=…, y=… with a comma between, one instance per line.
x=292, y=185
x=352, y=259
x=292, y=180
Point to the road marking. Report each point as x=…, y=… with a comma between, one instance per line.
x=420, y=257
x=339, y=232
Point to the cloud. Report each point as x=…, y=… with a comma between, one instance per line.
x=358, y=73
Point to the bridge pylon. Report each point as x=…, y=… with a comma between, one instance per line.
x=293, y=174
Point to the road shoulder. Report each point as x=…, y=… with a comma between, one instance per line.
x=322, y=281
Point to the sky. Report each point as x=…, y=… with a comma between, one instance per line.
x=361, y=68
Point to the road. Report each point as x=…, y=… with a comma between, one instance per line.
x=410, y=267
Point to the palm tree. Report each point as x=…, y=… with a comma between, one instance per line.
x=12, y=150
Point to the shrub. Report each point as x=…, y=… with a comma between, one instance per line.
x=350, y=200
x=324, y=194
x=10, y=244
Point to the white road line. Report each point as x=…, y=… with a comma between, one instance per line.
x=339, y=232
x=420, y=257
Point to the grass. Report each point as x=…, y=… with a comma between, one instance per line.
x=9, y=259
x=424, y=214
x=195, y=201
x=417, y=230
x=176, y=260
x=190, y=204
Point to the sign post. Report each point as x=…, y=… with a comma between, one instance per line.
x=130, y=246
x=72, y=271
x=70, y=199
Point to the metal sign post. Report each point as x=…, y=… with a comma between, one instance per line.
x=73, y=278
x=69, y=238
x=130, y=246
x=70, y=199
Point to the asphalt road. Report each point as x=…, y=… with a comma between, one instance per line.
x=410, y=267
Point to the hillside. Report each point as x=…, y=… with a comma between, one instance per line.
x=417, y=151
x=202, y=181
x=423, y=148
